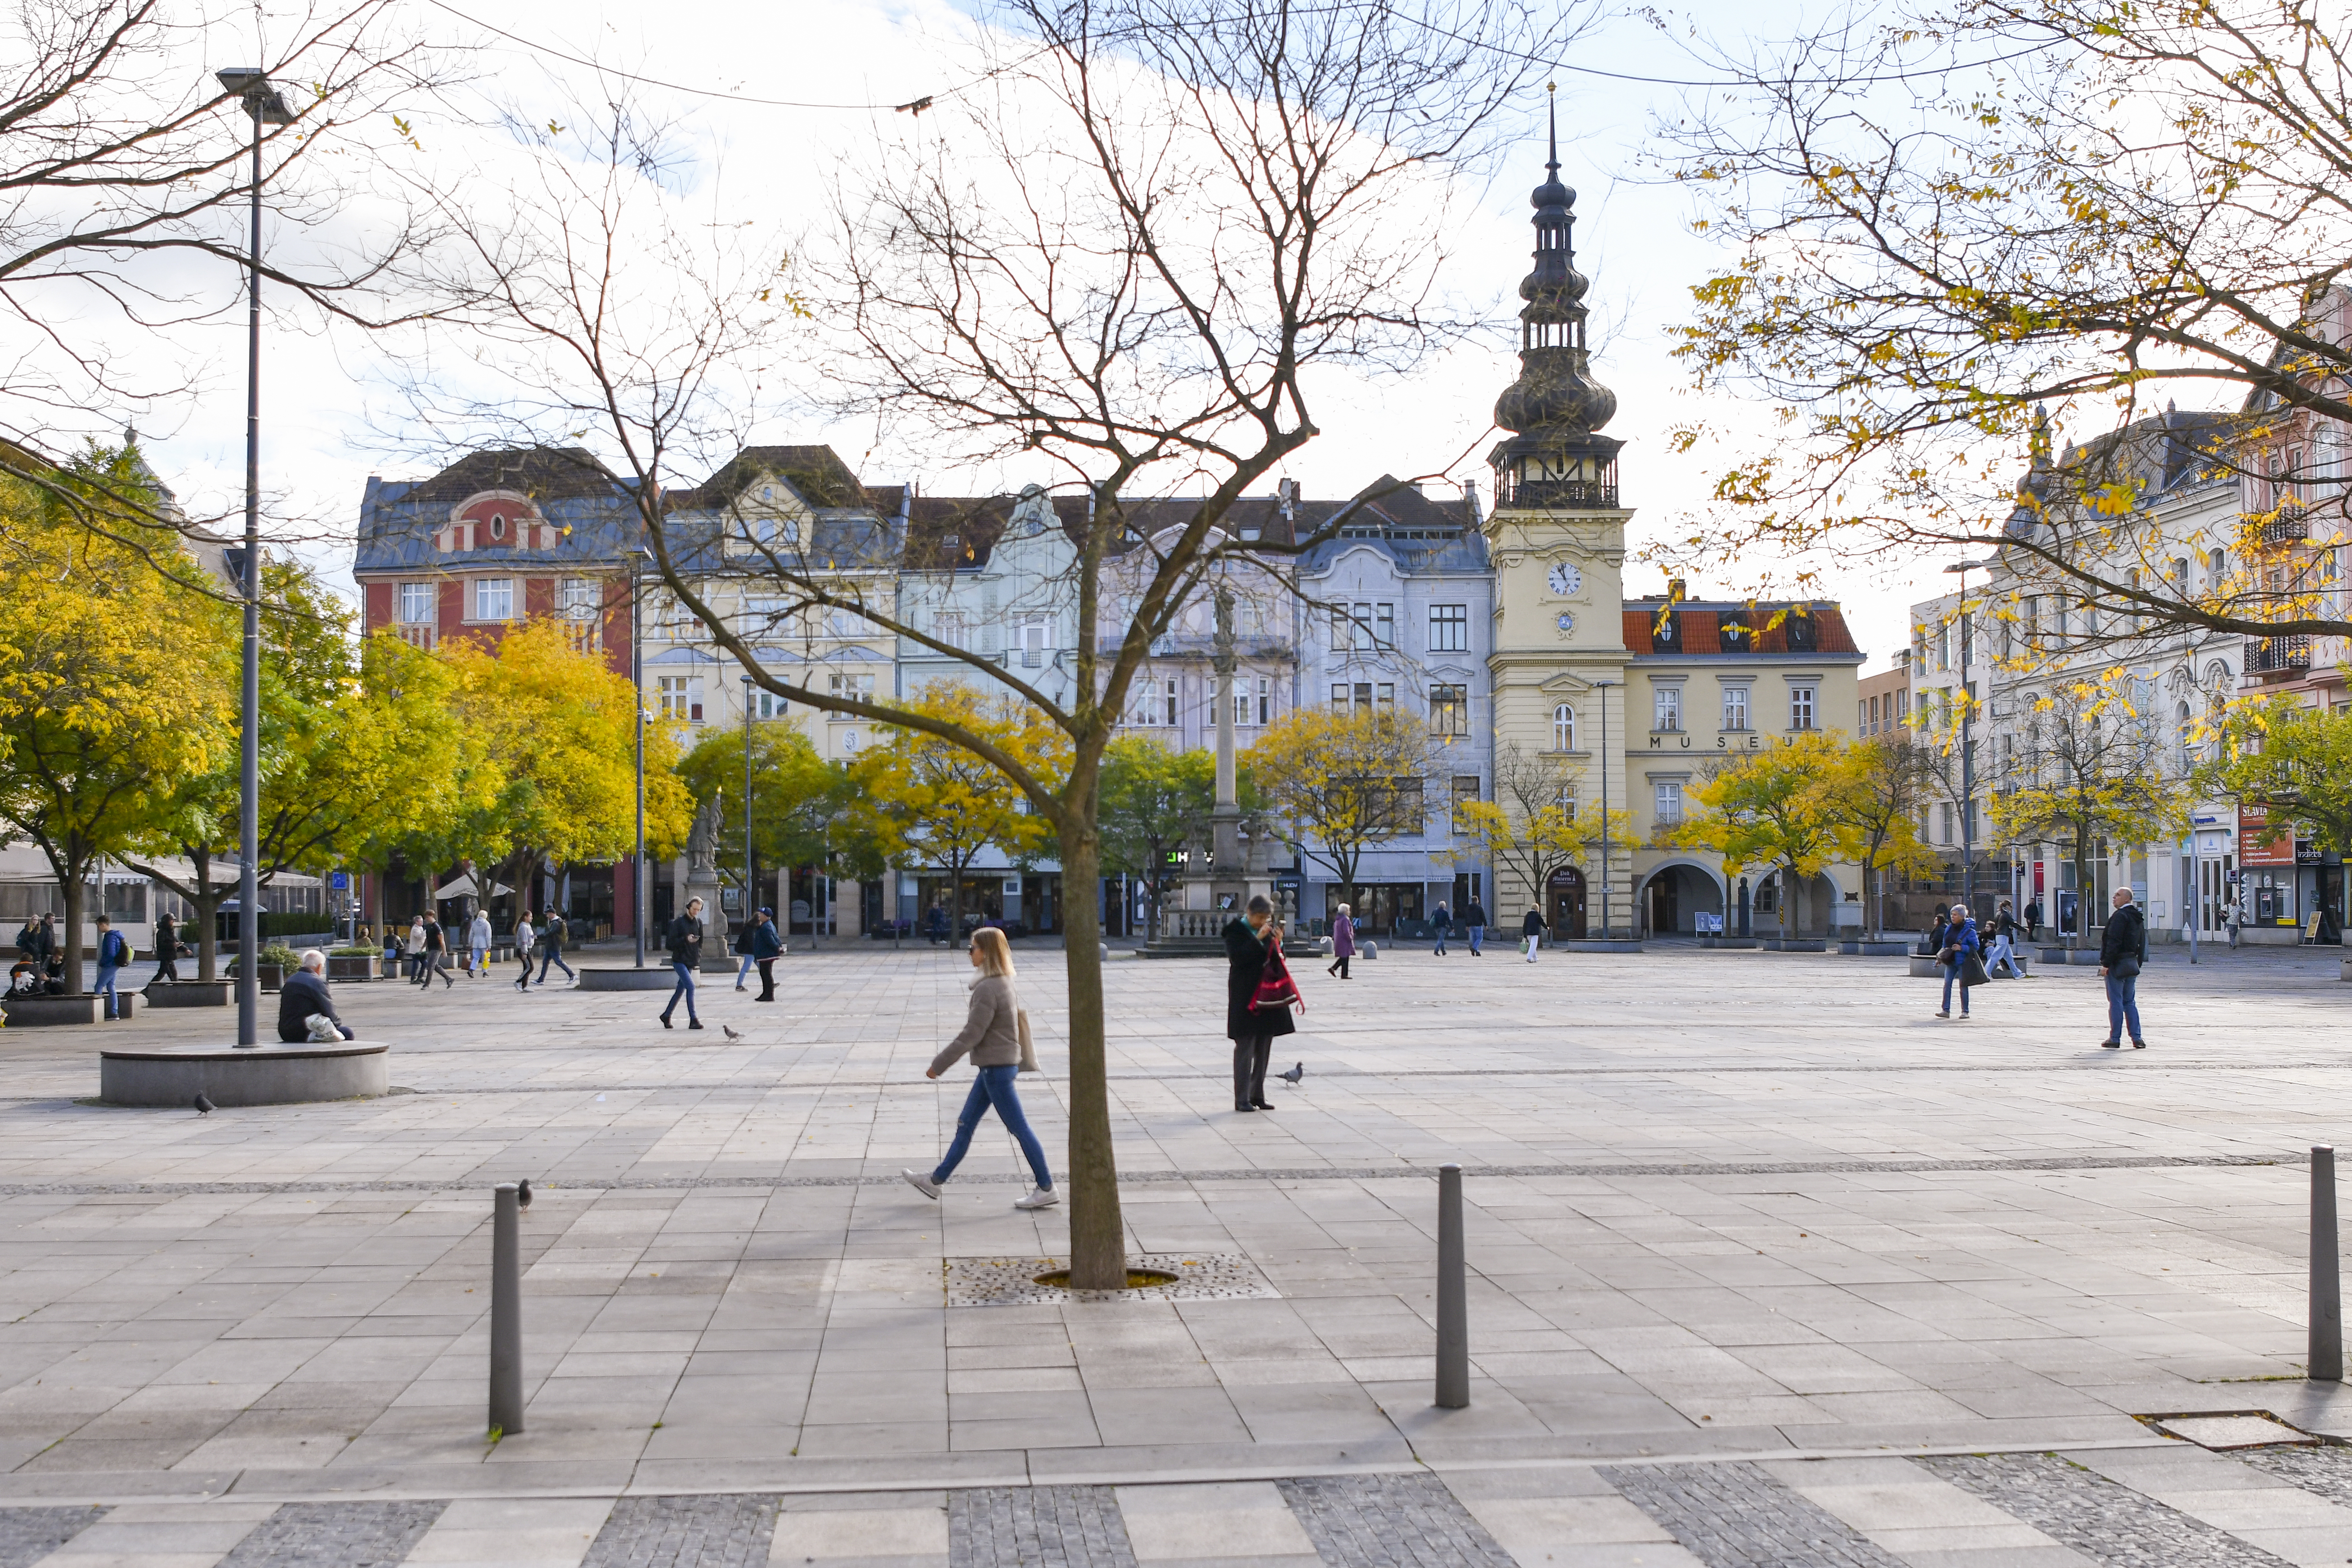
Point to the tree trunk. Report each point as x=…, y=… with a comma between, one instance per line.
x=1098, y=1233
x=70, y=938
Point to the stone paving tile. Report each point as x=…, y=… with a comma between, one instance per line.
x=29, y=1534
x=334, y=1535
x=1391, y=1521
x=2325, y=1471
x=1738, y=1516
x=1037, y=1527
x=2101, y=1518
x=728, y=1532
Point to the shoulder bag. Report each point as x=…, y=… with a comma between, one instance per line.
x=1275, y=987
x=1972, y=969
x=1028, y=1045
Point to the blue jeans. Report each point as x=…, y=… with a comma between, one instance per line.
x=743, y=971
x=1952, y=973
x=685, y=989
x=1478, y=940
x=2002, y=953
x=1441, y=940
x=2123, y=1005
x=994, y=1086
x=548, y=955
x=105, y=987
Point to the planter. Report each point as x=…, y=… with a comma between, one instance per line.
x=2089, y=955
x=630, y=979
x=1796, y=944
x=259, y=1075
x=1598, y=944
x=391, y=967
x=1925, y=968
x=1748, y=942
x=355, y=966
x=48, y=1011
x=1874, y=948
x=189, y=993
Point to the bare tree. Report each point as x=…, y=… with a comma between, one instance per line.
x=1946, y=219
x=122, y=156
x=1126, y=261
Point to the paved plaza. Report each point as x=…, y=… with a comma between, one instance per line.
x=1769, y=1265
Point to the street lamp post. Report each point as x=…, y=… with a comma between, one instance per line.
x=263, y=106
x=1968, y=740
x=1606, y=922
x=638, y=691
x=750, y=875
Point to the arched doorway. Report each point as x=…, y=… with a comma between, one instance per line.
x=1675, y=896
x=1564, y=902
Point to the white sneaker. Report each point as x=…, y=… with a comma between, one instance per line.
x=1039, y=1198
x=921, y=1184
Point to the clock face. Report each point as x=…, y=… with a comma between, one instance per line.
x=1564, y=622
x=1565, y=578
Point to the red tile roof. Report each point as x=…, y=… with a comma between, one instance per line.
x=1702, y=626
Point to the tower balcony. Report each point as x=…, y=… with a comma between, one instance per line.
x=1564, y=495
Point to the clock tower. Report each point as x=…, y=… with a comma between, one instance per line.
x=1557, y=535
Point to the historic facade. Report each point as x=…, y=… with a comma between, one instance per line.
x=1633, y=698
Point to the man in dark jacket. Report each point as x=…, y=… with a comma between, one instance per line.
x=167, y=950
x=436, y=949
x=550, y=948
x=303, y=992
x=685, y=958
x=1531, y=930
x=764, y=947
x=2122, y=951
x=1474, y=917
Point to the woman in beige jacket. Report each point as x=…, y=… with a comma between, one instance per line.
x=991, y=1033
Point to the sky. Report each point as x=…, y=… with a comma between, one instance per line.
x=331, y=419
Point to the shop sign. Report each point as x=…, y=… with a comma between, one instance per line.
x=2253, y=851
x=2307, y=853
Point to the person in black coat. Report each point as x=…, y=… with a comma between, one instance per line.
x=167, y=949
x=685, y=957
x=303, y=992
x=1531, y=931
x=763, y=948
x=2123, y=949
x=1248, y=942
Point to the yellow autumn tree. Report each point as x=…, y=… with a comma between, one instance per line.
x=1539, y=822
x=937, y=804
x=558, y=736
x=1774, y=809
x=116, y=683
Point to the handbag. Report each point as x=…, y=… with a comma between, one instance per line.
x=1028, y=1045
x=1972, y=971
x=1275, y=987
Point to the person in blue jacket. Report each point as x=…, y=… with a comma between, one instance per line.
x=1959, y=944
x=113, y=953
x=766, y=943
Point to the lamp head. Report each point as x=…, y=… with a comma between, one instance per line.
x=262, y=100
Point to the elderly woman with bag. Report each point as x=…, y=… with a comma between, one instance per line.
x=1259, y=994
x=1963, y=957
x=996, y=1034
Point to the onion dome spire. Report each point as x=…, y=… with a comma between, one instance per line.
x=1556, y=406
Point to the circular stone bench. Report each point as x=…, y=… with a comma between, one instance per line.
x=652, y=977
x=270, y=1074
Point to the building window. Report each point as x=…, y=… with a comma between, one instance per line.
x=575, y=598
x=1800, y=707
x=1449, y=710
x=1449, y=628
x=1670, y=802
x=1466, y=792
x=1735, y=708
x=493, y=598
x=766, y=704
x=417, y=603
x=1384, y=625
x=1666, y=708
x=1563, y=728
x=1031, y=637
x=1362, y=695
x=853, y=687
x=1265, y=700
x=680, y=698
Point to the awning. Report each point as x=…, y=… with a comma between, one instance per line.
x=462, y=886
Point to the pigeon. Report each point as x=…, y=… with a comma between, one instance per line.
x=522, y=1193
x=1294, y=1074
x=729, y=1031
x=204, y=1106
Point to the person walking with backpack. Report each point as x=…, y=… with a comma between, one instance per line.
x=113, y=953
x=1963, y=957
x=992, y=1035
x=551, y=947
x=1474, y=917
x=2123, y=953
x=1255, y=1010
x=1532, y=930
x=685, y=957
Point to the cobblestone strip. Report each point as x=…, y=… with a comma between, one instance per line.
x=2326, y=1470
x=335, y=1535
x=1390, y=1521
x=1036, y=1526
x=1736, y=1516
x=725, y=1531
x=2099, y=1518
x=29, y=1534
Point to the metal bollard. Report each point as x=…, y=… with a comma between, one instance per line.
x=2323, y=1356
x=506, y=1313
x=1453, y=1294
